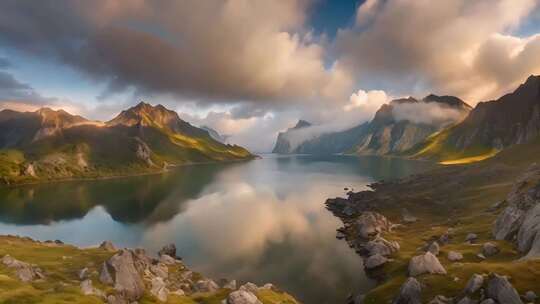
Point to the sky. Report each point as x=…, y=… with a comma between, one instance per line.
x=251, y=68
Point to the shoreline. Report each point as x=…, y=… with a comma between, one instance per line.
x=169, y=168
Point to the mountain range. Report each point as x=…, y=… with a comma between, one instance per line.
x=387, y=133
x=48, y=144
x=455, y=132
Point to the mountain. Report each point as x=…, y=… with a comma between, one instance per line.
x=392, y=129
x=49, y=145
x=490, y=127
x=215, y=134
x=285, y=140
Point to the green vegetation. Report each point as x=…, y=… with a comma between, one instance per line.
x=456, y=197
x=61, y=264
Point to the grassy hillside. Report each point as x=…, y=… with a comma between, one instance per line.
x=61, y=265
x=458, y=198
x=143, y=139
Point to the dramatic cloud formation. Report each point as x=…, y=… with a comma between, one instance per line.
x=427, y=113
x=450, y=46
x=215, y=50
x=253, y=68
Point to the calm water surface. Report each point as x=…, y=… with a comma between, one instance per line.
x=259, y=221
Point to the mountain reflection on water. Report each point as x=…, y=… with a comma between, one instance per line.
x=260, y=221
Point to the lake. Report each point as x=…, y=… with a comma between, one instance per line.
x=259, y=221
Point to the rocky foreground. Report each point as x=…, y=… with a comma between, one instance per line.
x=52, y=272
x=448, y=236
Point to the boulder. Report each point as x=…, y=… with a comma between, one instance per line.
x=370, y=224
x=230, y=285
x=249, y=287
x=159, y=289
x=508, y=223
x=88, y=289
x=409, y=293
x=454, y=256
x=490, y=249
x=426, y=263
x=474, y=284
x=375, y=261
x=500, y=290
x=242, y=297
x=471, y=237
x=167, y=259
x=108, y=245
x=528, y=236
x=24, y=271
x=381, y=246
x=169, y=250
x=434, y=248
x=206, y=285
x=105, y=275
x=127, y=281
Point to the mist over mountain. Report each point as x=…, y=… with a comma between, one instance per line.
x=396, y=127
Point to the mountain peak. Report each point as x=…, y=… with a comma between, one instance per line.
x=451, y=101
x=302, y=124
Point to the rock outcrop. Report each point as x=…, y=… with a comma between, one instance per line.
x=426, y=263
x=25, y=272
x=409, y=293
x=500, y=290
x=520, y=220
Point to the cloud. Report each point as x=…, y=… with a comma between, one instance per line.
x=4, y=63
x=217, y=51
x=441, y=46
x=13, y=92
x=427, y=113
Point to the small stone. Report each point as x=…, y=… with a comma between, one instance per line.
x=206, y=285
x=230, y=285
x=490, y=249
x=440, y=300
x=434, y=248
x=84, y=273
x=455, y=256
x=530, y=296
x=481, y=256
x=471, y=237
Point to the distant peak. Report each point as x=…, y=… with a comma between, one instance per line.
x=404, y=100
x=448, y=100
x=534, y=79
x=302, y=124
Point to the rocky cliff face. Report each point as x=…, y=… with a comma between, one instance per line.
x=390, y=131
x=284, y=140
x=491, y=126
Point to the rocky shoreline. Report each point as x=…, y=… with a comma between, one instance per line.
x=434, y=265
x=117, y=276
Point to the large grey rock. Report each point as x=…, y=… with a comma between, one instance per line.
x=409, y=293
x=489, y=249
x=425, y=263
x=454, y=256
x=242, y=297
x=370, y=224
x=159, y=289
x=206, y=285
x=127, y=281
x=528, y=236
x=375, y=261
x=474, y=284
x=508, y=223
x=500, y=290
x=381, y=246
x=24, y=271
